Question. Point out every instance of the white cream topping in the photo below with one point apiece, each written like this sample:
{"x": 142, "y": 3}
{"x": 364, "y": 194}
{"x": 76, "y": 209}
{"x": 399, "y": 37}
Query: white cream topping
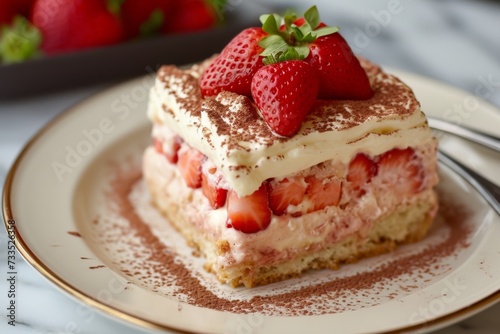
{"x": 246, "y": 164}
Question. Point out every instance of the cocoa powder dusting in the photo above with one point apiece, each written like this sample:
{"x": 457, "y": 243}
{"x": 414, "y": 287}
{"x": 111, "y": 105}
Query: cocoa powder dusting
{"x": 75, "y": 234}
{"x": 229, "y": 112}
{"x": 121, "y": 188}
{"x": 366, "y": 284}
{"x": 424, "y": 261}
{"x": 97, "y": 267}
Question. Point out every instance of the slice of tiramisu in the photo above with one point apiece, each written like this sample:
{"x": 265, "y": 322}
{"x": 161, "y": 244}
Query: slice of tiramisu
{"x": 286, "y": 153}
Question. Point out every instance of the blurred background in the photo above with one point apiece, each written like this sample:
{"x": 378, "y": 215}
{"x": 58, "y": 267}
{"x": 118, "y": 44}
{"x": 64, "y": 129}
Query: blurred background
{"x": 79, "y": 44}
{"x": 52, "y": 56}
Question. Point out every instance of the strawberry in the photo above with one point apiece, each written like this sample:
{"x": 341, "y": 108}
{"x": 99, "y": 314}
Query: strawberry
{"x": 323, "y": 193}
{"x": 74, "y": 25}
{"x": 248, "y": 214}
{"x": 285, "y": 92}
{"x": 210, "y": 187}
{"x": 19, "y": 41}
{"x": 169, "y": 147}
{"x": 191, "y": 15}
{"x": 303, "y": 59}
{"x": 189, "y": 164}
{"x": 289, "y": 191}
{"x": 146, "y": 17}
{"x": 234, "y": 68}
{"x": 361, "y": 171}
{"x": 341, "y": 75}
{"x": 10, "y": 8}
{"x": 158, "y": 145}
{"x": 401, "y": 170}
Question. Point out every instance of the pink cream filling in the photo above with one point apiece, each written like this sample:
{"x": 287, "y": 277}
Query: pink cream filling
{"x": 298, "y": 229}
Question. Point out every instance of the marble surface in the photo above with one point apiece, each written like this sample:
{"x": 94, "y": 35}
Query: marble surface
{"x": 453, "y": 41}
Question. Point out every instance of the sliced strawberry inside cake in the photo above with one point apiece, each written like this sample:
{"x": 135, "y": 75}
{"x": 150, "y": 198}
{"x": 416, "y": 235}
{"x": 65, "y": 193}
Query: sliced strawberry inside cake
{"x": 286, "y": 153}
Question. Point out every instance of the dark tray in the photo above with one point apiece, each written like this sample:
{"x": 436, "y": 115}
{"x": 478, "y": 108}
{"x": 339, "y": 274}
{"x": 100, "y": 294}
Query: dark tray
{"x": 125, "y": 60}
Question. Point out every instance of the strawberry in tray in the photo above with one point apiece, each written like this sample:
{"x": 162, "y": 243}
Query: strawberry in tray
{"x": 148, "y": 17}
{"x": 75, "y": 25}
{"x": 33, "y": 28}
{"x": 286, "y": 153}
{"x": 9, "y": 9}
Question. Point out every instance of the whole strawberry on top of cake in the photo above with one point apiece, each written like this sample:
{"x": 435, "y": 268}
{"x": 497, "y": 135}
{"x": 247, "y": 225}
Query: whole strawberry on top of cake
{"x": 286, "y": 153}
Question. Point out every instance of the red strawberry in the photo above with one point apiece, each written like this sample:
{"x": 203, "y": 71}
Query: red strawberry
{"x": 11, "y": 8}
{"x": 401, "y": 170}
{"x": 285, "y": 92}
{"x": 323, "y": 193}
{"x": 234, "y": 68}
{"x": 341, "y": 75}
{"x": 189, "y": 164}
{"x": 169, "y": 147}
{"x": 146, "y": 17}
{"x": 284, "y": 193}
{"x": 216, "y": 195}
{"x": 191, "y": 15}
{"x": 361, "y": 171}
{"x": 6, "y": 16}
{"x": 248, "y": 214}
{"x": 158, "y": 145}
{"x": 74, "y": 25}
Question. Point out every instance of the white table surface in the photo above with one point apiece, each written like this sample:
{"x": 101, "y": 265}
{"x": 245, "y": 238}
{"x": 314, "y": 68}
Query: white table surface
{"x": 457, "y": 42}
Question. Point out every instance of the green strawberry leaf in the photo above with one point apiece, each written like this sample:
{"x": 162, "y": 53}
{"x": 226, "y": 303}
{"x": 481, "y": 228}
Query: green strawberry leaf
{"x": 303, "y": 51}
{"x": 290, "y": 54}
{"x": 271, "y": 59}
{"x": 312, "y": 17}
{"x": 263, "y": 18}
{"x": 297, "y": 33}
{"x": 305, "y": 28}
{"x": 269, "y": 25}
{"x": 218, "y": 5}
{"x": 309, "y": 38}
{"x": 153, "y": 24}
{"x": 293, "y": 41}
{"x": 325, "y": 31}
{"x": 114, "y": 6}
{"x": 273, "y": 44}
{"x": 20, "y": 41}
{"x": 219, "y": 8}
{"x": 289, "y": 18}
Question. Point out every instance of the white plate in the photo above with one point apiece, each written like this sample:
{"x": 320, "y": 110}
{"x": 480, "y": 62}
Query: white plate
{"x": 56, "y": 191}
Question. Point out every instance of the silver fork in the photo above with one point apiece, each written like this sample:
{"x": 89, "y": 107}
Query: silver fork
{"x": 465, "y": 132}
{"x": 489, "y": 190}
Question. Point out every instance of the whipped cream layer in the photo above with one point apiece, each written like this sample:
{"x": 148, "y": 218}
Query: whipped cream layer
{"x": 229, "y": 130}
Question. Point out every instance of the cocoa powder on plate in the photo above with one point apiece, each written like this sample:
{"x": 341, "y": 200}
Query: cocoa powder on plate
{"x": 301, "y": 301}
